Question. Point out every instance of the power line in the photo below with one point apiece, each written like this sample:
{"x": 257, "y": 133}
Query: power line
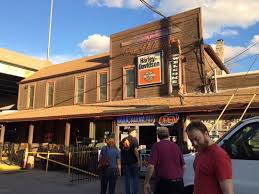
{"x": 241, "y": 52}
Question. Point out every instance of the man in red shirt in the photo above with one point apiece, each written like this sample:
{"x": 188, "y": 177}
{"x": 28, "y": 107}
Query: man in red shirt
{"x": 212, "y": 165}
{"x": 167, "y": 160}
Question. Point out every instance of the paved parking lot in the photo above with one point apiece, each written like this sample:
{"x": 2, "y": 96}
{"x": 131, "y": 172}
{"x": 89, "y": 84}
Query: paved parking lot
{"x": 40, "y": 182}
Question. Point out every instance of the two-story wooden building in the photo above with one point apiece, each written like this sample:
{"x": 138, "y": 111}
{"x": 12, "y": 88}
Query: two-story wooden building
{"x": 157, "y": 74}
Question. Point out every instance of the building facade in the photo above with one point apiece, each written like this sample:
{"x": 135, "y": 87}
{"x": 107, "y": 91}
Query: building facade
{"x": 158, "y": 74}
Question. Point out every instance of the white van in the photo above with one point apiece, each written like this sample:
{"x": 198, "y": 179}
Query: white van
{"x": 241, "y": 142}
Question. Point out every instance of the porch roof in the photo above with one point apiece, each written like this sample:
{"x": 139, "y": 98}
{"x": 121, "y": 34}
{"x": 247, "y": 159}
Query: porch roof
{"x": 191, "y": 103}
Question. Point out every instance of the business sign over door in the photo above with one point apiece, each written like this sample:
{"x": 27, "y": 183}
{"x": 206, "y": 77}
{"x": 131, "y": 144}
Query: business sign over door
{"x": 149, "y": 69}
{"x": 145, "y": 119}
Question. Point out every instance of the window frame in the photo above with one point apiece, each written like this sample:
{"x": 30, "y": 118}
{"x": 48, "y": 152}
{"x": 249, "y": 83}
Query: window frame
{"x": 29, "y": 96}
{"x": 125, "y": 69}
{"x": 76, "y": 89}
{"x": 47, "y": 94}
{"x": 99, "y": 86}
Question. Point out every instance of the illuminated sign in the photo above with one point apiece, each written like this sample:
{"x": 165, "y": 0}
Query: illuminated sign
{"x": 168, "y": 119}
{"x": 136, "y": 119}
{"x": 149, "y": 69}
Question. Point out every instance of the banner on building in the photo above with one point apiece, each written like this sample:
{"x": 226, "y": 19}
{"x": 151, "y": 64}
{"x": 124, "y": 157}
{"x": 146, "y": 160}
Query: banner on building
{"x": 175, "y": 70}
{"x": 149, "y": 69}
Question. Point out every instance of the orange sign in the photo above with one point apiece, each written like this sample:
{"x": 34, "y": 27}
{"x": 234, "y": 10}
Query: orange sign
{"x": 149, "y": 69}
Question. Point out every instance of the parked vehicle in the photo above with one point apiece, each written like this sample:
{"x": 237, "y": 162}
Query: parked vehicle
{"x": 241, "y": 142}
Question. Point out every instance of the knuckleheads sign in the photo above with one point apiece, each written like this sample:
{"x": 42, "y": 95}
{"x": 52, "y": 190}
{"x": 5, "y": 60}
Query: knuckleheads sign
{"x": 149, "y": 69}
{"x": 168, "y": 119}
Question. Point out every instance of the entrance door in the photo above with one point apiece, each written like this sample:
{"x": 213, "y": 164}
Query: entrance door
{"x": 147, "y": 136}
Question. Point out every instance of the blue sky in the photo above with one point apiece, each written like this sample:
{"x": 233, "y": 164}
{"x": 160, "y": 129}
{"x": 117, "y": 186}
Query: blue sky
{"x": 83, "y": 27}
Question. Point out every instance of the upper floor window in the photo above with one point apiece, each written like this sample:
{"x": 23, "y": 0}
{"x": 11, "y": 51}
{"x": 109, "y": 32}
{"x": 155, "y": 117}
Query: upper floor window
{"x": 31, "y": 94}
{"x": 129, "y": 83}
{"x": 103, "y": 86}
{"x": 80, "y": 90}
{"x": 50, "y": 94}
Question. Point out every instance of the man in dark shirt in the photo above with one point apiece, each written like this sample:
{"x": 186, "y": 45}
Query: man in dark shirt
{"x": 130, "y": 161}
{"x": 167, "y": 160}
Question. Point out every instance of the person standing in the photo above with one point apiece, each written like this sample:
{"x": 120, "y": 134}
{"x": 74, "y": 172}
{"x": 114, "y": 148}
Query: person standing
{"x": 130, "y": 161}
{"x": 110, "y": 174}
{"x": 167, "y": 161}
{"x": 212, "y": 165}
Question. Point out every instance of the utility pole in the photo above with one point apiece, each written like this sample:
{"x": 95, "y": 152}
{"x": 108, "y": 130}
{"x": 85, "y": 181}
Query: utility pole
{"x": 50, "y": 26}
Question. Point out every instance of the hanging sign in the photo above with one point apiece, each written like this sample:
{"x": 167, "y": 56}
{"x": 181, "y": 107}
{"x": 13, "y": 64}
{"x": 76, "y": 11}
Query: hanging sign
{"x": 175, "y": 66}
{"x": 168, "y": 119}
{"x": 149, "y": 69}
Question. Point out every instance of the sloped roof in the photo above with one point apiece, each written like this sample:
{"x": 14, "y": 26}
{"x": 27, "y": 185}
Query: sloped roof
{"x": 215, "y": 58}
{"x": 21, "y": 60}
{"x": 191, "y": 103}
{"x": 67, "y": 67}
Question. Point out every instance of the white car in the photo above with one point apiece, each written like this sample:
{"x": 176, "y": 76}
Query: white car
{"x": 241, "y": 142}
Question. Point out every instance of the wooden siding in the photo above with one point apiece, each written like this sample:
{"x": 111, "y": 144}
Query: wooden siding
{"x": 210, "y": 65}
{"x": 22, "y": 97}
{"x": 64, "y": 90}
{"x": 189, "y": 32}
{"x": 238, "y": 81}
{"x": 40, "y": 94}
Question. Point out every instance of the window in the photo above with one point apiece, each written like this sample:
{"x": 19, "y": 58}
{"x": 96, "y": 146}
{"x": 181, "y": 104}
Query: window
{"x": 50, "y": 94}
{"x": 244, "y": 144}
{"x": 80, "y": 90}
{"x": 129, "y": 83}
{"x": 103, "y": 86}
{"x": 30, "y": 102}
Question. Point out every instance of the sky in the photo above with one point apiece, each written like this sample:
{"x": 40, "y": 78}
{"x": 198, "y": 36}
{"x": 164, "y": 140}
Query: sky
{"x": 83, "y": 27}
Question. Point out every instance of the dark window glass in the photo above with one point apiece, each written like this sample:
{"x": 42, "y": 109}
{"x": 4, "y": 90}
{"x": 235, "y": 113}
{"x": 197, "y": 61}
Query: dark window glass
{"x": 103, "y": 86}
{"x": 244, "y": 144}
{"x": 80, "y": 90}
{"x": 50, "y": 94}
{"x": 130, "y": 83}
{"x": 31, "y": 97}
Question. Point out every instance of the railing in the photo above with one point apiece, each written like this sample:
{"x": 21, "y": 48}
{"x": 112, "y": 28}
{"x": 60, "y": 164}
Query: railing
{"x": 81, "y": 162}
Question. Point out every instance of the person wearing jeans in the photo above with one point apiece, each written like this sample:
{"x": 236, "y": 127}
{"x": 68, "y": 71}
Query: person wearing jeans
{"x": 110, "y": 174}
{"x": 130, "y": 161}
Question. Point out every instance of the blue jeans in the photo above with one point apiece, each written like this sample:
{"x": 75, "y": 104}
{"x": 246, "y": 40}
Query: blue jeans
{"x": 131, "y": 173}
{"x": 109, "y": 177}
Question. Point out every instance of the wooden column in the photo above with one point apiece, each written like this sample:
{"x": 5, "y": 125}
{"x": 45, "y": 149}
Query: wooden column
{"x": 117, "y": 135}
{"x": 2, "y": 140}
{"x": 30, "y": 136}
{"x": 2, "y": 134}
{"x": 92, "y": 130}
{"x": 67, "y": 134}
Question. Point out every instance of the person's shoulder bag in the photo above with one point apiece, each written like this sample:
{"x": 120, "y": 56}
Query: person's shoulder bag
{"x": 104, "y": 161}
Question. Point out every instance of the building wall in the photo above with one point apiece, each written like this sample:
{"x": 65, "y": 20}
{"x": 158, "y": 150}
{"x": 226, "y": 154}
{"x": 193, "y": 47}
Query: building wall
{"x": 188, "y": 31}
{"x": 64, "y": 90}
{"x": 233, "y": 81}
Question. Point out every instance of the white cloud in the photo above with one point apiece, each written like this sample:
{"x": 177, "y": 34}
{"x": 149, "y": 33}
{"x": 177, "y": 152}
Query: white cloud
{"x": 217, "y": 15}
{"x": 133, "y": 4}
{"x": 95, "y": 43}
{"x": 229, "y": 33}
{"x": 231, "y": 51}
